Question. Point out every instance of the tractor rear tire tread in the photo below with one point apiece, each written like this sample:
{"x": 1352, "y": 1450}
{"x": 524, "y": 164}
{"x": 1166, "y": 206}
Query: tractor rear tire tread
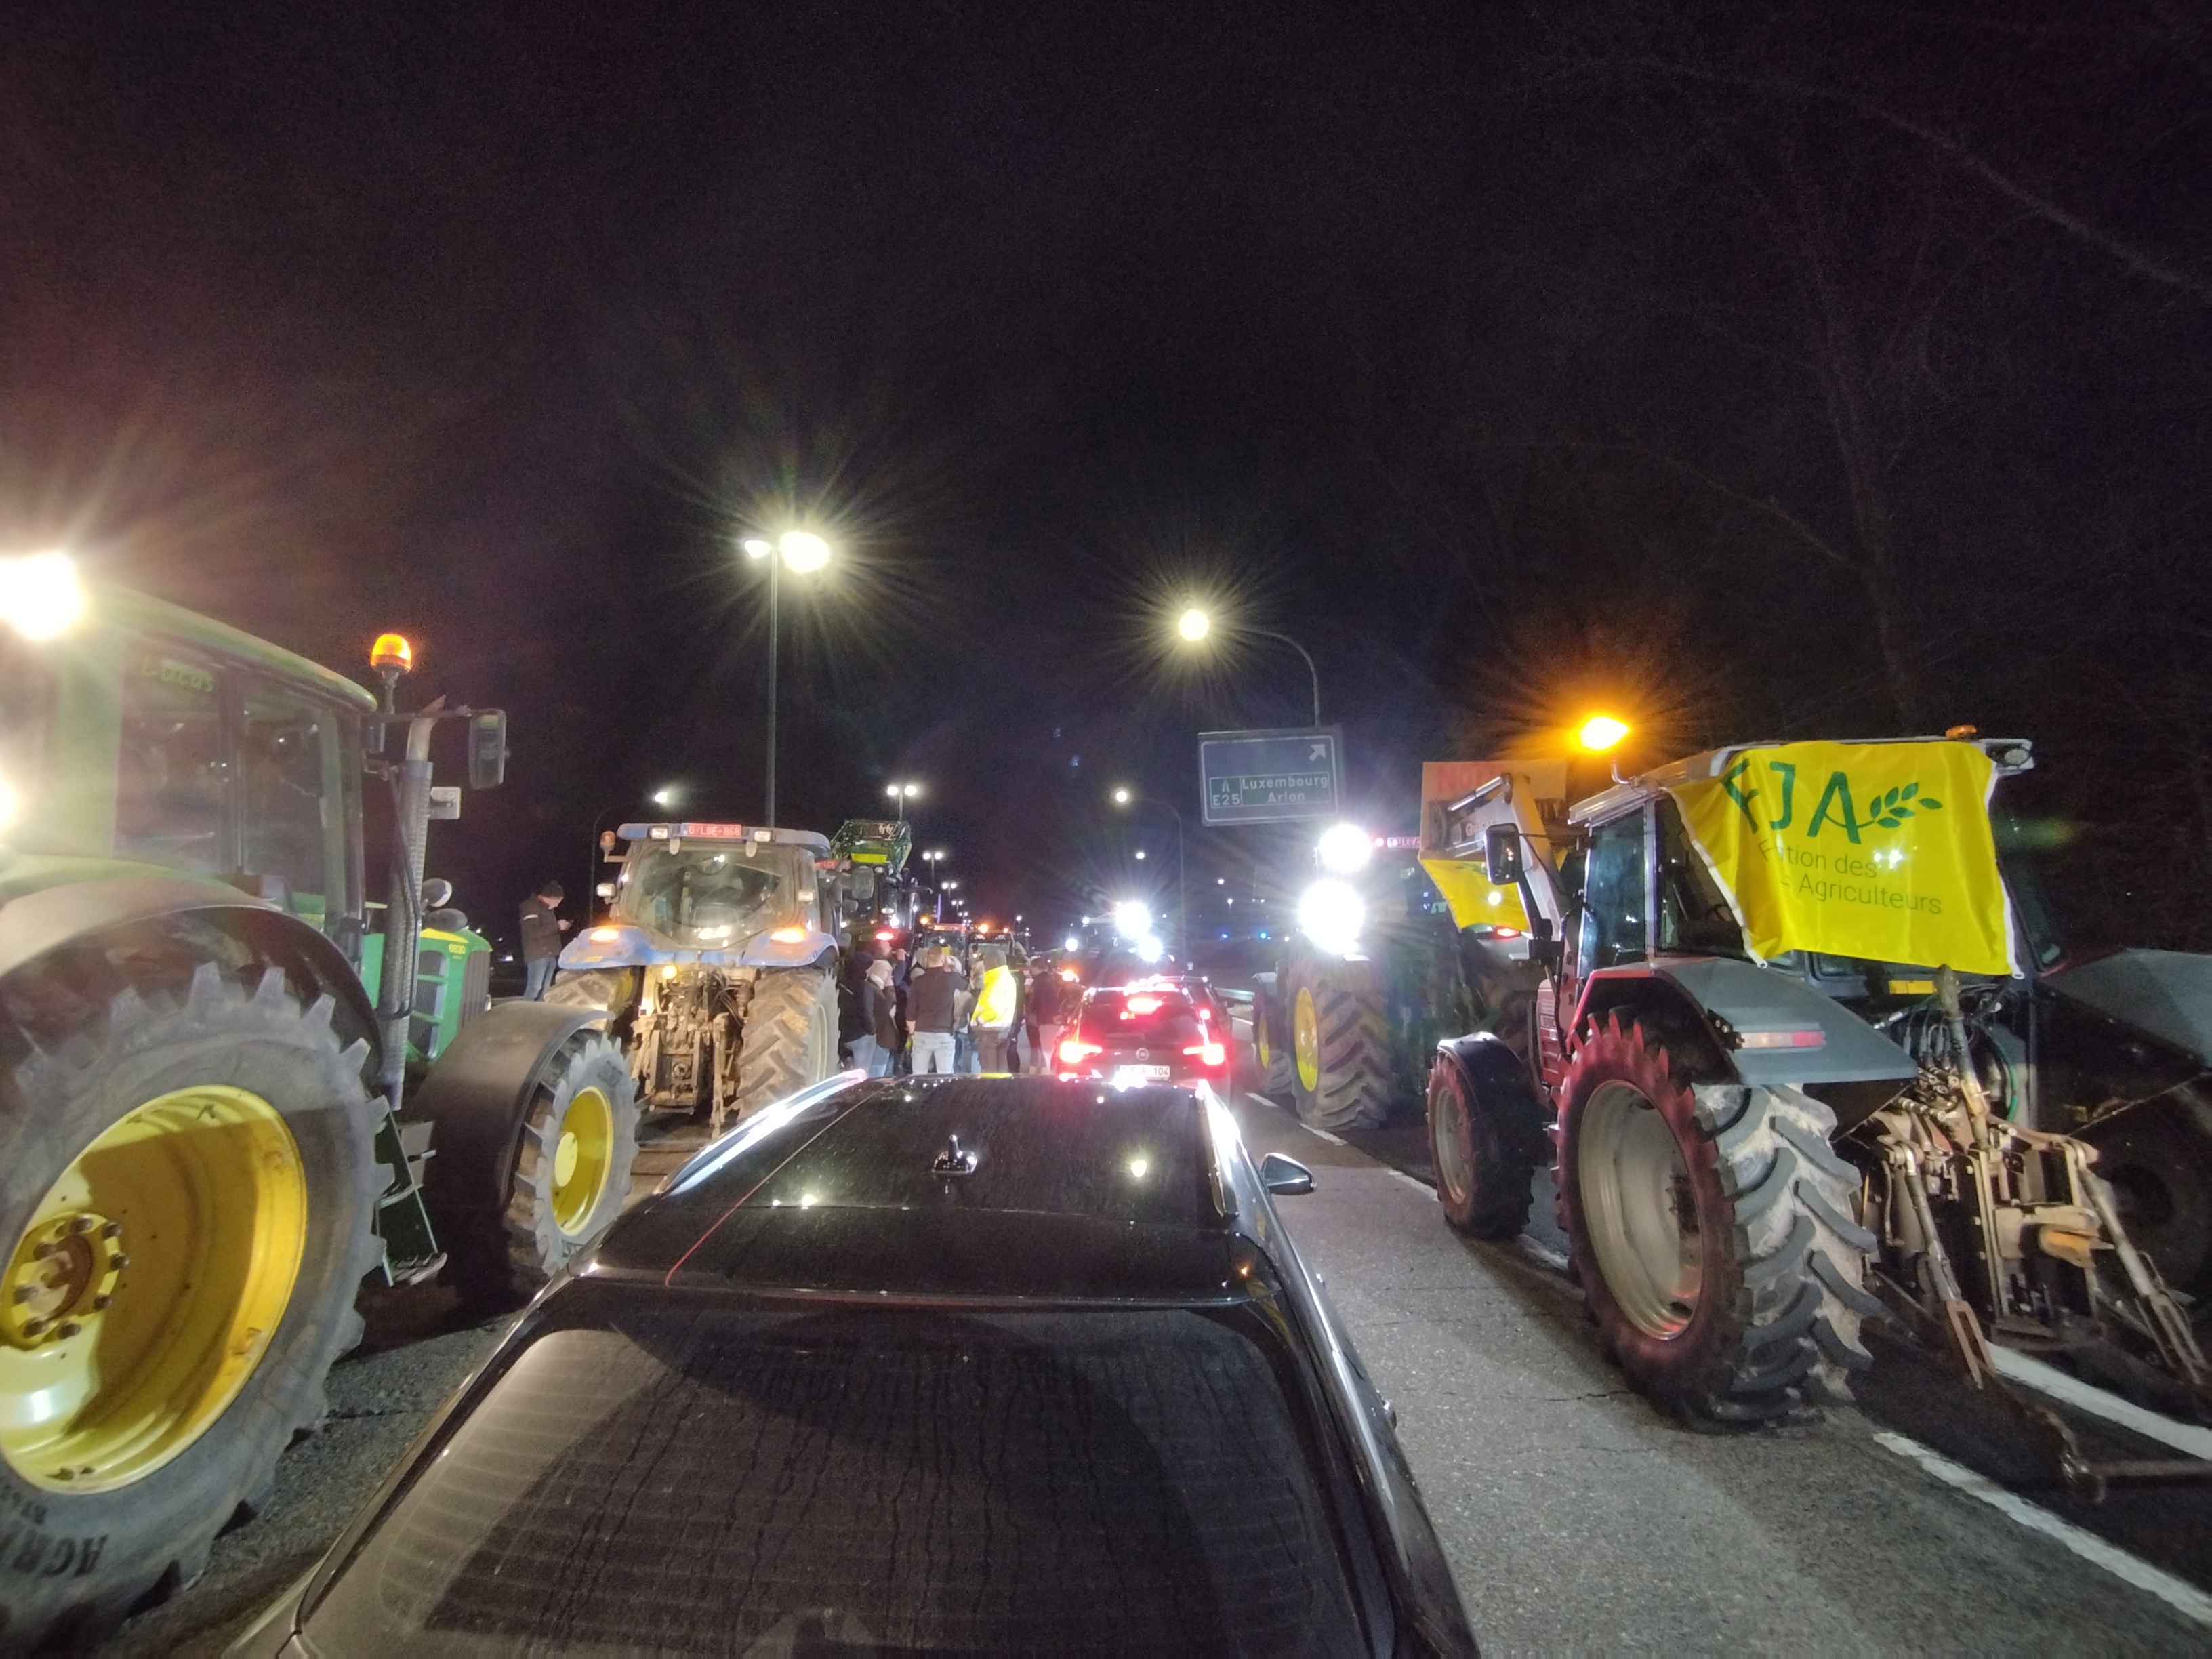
{"x": 536, "y": 1248}
{"x": 1776, "y": 1328}
{"x": 94, "y": 1557}
{"x": 783, "y": 1046}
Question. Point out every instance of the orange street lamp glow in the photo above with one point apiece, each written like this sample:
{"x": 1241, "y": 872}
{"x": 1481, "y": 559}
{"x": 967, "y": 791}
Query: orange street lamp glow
{"x": 1600, "y": 731}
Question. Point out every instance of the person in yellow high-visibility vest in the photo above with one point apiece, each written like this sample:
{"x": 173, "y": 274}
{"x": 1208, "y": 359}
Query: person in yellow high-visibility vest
{"x": 997, "y": 1000}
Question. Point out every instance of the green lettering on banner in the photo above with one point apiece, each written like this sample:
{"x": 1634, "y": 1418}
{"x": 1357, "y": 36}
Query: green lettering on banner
{"x": 1787, "y": 770}
{"x": 1744, "y": 801}
{"x": 1838, "y": 785}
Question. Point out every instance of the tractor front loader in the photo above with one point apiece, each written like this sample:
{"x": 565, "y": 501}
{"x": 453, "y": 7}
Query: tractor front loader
{"x": 206, "y": 1133}
{"x": 1769, "y": 1119}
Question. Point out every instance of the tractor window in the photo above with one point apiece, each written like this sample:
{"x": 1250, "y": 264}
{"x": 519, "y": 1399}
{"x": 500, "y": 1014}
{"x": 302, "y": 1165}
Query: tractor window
{"x": 1693, "y": 917}
{"x": 1612, "y": 896}
{"x": 170, "y": 775}
{"x": 292, "y": 829}
{"x": 713, "y": 895}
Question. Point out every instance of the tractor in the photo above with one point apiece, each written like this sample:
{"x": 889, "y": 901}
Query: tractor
{"x": 209, "y": 1130}
{"x": 1799, "y": 1064}
{"x": 717, "y": 964}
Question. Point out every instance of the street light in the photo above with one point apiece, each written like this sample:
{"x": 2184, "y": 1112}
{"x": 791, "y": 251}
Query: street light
{"x": 805, "y": 552}
{"x": 1124, "y": 797}
{"x": 1600, "y": 732}
{"x": 902, "y": 793}
{"x": 1195, "y": 625}
{"x": 664, "y": 797}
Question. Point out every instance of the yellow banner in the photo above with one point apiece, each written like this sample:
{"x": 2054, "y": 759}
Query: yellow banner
{"x": 1465, "y": 886}
{"x": 1876, "y": 850}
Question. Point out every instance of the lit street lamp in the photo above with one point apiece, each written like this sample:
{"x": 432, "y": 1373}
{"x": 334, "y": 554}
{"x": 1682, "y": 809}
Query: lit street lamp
{"x": 667, "y": 796}
{"x": 1195, "y": 625}
{"x": 1123, "y": 797}
{"x": 902, "y": 793}
{"x": 805, "y": 552}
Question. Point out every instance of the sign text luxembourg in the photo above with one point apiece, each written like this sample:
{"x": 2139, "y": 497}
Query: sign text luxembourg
{"x": 1262, "y": 777}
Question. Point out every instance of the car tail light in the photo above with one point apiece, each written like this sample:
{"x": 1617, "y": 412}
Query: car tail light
{"x": 789, "y": 935}
{"x": 1505, "y": 932}
{"x": 1800, "y": 1038}
{"x": 1144, "y": 1005}
{"x": 1209, "y": 1054}
{"x": 1073, "y": 1051}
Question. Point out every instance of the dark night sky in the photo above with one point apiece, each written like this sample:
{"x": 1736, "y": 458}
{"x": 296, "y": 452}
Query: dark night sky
{"x": 1441, "y": 338}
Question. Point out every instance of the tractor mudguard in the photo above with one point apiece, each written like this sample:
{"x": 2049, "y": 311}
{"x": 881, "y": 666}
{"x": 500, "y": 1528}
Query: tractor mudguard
{"x": 1733, "y": 999}
{"x": 480, "y": 1090}
{"x": 38, "y": 924}
{"x": 1498, "y": 1079}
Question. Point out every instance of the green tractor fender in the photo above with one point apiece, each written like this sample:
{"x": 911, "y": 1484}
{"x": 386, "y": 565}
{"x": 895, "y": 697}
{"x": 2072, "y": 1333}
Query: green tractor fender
{"x": 39, "y": 923}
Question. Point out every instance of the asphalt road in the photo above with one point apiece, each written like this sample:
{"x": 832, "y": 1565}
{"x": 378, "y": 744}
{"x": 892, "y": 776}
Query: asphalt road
{"x": 1576, "y": 1517}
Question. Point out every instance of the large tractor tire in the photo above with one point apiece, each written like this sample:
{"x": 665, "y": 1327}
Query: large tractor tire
{"x": 2158, "y": 1164}
{"x": 187, "y": 1190}
{"x": 1712, "y": 1229}
{"x": 790, "y": 1037}
{"x": 1340, "y": 1019}
{"x": 568, "y": 1175}
{"x": 1271, "y": 1040}
{"x": 614, "y": 989}
{"x": 1486, "y": 1138}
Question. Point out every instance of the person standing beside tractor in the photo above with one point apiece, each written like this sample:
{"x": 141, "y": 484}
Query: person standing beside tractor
{"x": 880, "y": 1005}
{"x": 542, "y": 927}
{"x": 1048, "y": 1010}
{"x": 933, "y": 990}
{"x": 996, "y": 997}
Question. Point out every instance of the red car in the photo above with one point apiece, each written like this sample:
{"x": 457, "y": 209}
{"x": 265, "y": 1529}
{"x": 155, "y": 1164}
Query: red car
{"x": 1160, "y": 1030}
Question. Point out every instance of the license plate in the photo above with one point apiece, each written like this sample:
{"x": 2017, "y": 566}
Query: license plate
{"x": 1139, "y": 1073}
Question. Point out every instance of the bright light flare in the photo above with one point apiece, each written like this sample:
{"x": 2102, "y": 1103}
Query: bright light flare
{"x": 1193, "y": 625}
{"x": 1345, "y": 848}
{"x": 755, "y": 547}
{"x": 1331, "y": 914}
{"x": 1600, "y": 732}
{"x": 804, "y": 550}
{"x": 1133, "y": 918}
{"x": 41, "y": 597}
{"x": 1150, "y": 950}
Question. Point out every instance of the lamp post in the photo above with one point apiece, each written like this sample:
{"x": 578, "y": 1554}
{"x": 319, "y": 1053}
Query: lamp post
{"x": 902, "y": 793}
{"x": 1195, "y": 624}
{"x": 937, "y": 894}
{"x": 1123, "y": 797}
{"x": 803, "y": 551}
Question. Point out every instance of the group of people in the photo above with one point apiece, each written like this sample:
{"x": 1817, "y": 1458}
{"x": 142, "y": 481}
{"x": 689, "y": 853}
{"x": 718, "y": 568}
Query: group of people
{"x": 935, "y": 1013}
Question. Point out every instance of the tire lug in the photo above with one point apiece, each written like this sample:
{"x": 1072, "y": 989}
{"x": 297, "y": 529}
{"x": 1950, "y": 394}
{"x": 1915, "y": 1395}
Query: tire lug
{"x": 25, "y": 1293}
{"x": 34, "y": 1327}
{"x": 69, "y": 1327}
{"x": 81, "y": 1224}
{"x": 119, "y": 1261}
{"x": 101, "y": 1301}
{"x": 43, "y": 1251}
{"x": 112, "y": 1230}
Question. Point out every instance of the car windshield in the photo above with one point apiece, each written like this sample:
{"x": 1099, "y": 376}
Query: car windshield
{"x": 879, "y": 1479}
{"x": 713, "y": 895}
{"x": 1140, "y": 1014}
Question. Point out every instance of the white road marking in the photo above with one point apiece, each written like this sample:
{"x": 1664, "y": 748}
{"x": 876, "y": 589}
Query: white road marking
{"x": 1416, "y": 1184}
{"x": 2063, "y": 1386}
{"x": 1332, "y": 1140}
{"x": 2183, "y": 1597}
{"x": 1555, "y": 1260}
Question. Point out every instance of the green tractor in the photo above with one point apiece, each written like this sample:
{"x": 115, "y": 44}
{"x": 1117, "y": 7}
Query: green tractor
{"x": 208, "y": 1136}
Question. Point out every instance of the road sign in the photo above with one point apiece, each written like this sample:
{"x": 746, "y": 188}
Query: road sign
{"x": 1271, "y": 777}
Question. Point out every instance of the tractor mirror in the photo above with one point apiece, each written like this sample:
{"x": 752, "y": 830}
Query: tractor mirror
{"x": 487, "y": 749}
{"x": 1501, "y": 854}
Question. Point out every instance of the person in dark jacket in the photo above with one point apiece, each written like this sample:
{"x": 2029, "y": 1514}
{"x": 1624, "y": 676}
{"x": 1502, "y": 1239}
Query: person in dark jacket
{"x": 542, "y": 927}
{"x": 933, "y": 1009}
{"x": 881, "y": 1003}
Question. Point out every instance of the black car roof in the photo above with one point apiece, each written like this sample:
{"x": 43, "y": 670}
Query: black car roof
{"x": 1073, "y": 1189}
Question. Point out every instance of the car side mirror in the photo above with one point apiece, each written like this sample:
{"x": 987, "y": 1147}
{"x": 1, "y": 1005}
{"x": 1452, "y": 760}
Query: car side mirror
{"x": 488, "y": 749}
{"x": 1501, "y": 854}
{"x": 1284, "y": 1176}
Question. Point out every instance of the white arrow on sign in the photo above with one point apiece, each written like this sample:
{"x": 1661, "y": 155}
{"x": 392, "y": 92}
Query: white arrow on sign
{"x": 1320, "y": 751}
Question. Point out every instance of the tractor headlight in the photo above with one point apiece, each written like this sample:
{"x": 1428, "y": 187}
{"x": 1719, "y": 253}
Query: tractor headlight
{"x": 1331, "y": 914}
{"x": 41, "y": 597}
{"x": 1345, "y": 849}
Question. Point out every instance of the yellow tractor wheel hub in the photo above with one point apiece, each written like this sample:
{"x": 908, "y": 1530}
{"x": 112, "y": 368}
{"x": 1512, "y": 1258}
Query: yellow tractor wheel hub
{"x": 1305, "y": 1039}
{"x": 583, "y": 1156}
{"x": 148, "y": 1284}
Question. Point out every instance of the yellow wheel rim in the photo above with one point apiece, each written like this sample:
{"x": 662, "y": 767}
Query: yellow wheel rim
{"x": 1305, "y": 1040}
{"x": 1259, "y": 1037}
{"x": 581, "y": 1158}
{"x": 149, "y": 1283}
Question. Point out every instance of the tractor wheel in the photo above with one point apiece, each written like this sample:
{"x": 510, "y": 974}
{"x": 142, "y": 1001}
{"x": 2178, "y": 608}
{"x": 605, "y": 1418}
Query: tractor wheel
{"x": 1270, "y": 1041}
{"x": 1712, "y": 1228}
{"x": 187, "y": 1192}
{"x": 570, "y": 1178}
{"x": 1484, "y": 1146}
{"x": 611, "y": 988}
{"x": 790, "y": 1037}
{"x": 2160, "y": 1168}
{"x": 1340, "y": 1045}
